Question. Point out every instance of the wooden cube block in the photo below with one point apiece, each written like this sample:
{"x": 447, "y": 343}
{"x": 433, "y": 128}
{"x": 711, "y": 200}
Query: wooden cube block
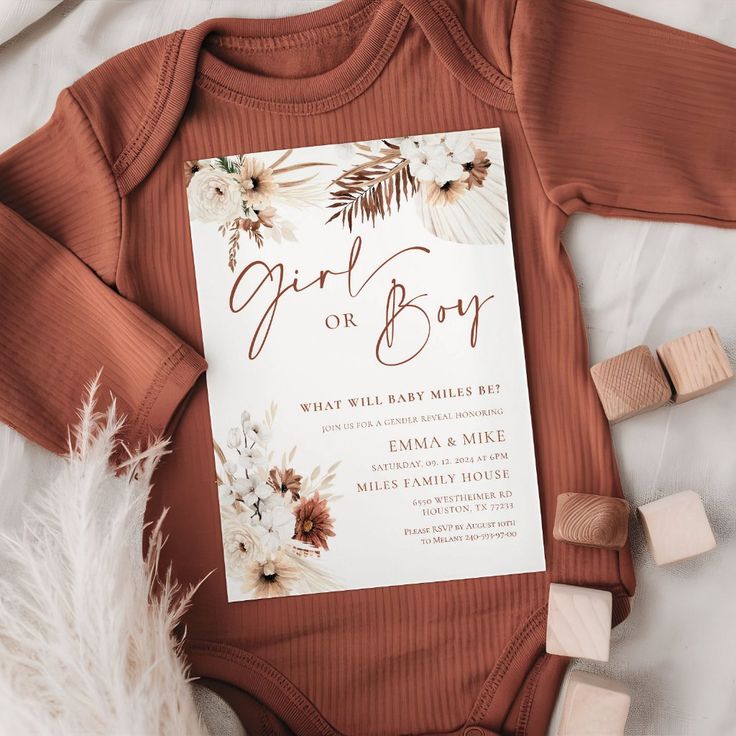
{"x": 579, "y": 622}
{"x": 696, "y": 364}
{"x": 594, "y": 706}
{"x": 677, "y": 527}
{"x": 591, "y": 521}
{"x": 631, "y": 383}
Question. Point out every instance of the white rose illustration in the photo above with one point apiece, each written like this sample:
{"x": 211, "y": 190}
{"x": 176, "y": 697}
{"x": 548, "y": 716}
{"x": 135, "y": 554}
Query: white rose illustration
{"x": 240, "y": 545}
{"x": 214, "y": 196}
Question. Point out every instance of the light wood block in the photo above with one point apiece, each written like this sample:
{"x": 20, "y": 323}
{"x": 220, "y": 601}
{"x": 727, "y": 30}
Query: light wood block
{"x": 594, "y": 706}
{"x": 696, "y": 364}
{"x": 676, "y": 527}
{"x": 579, "y": 622}
{"x": 631, "y": 383}
{"x": 591, "y": 521}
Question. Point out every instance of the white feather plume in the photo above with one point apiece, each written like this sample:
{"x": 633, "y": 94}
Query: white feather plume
{"x": 86, "y": 631}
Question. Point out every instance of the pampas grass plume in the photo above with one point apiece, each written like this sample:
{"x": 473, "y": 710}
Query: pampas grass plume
{"x": 86, "y": 625}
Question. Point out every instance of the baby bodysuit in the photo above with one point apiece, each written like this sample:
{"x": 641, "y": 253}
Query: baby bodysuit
{"x": 600, "y": 112}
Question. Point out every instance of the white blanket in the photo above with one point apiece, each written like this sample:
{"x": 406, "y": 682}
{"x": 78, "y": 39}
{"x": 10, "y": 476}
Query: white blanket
{"x": 640, "y": 283}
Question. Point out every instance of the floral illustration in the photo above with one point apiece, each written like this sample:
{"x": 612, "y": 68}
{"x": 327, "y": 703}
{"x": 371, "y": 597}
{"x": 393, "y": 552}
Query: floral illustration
{"x": 276, "y": 522}
{"x": 313, "y": 522}
{"x": 241, "y": 193}
{"x": 456, "y": 180}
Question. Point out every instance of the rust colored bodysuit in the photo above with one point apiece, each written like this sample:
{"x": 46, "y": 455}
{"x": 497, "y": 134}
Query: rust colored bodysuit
{"x": 600, "y": 112}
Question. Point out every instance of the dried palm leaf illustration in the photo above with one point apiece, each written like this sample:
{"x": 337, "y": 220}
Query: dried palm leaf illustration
{"x": 371, "y": 188}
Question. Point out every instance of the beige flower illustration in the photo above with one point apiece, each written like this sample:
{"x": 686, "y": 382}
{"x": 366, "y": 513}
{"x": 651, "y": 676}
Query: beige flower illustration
{"x": 271, "y": 578}
{"x": 258, "y": 183}
{"x": 477, "y": 169}
{"x": 257, "y": 218}
{"x": 440, "y": 195}
{"x": 285, "y": 481}
{"x": 265, "y": 216}
{"x": 190, "y": 169}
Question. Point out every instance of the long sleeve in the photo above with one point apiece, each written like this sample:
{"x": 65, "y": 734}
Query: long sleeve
{"x": 61, "y": 319}
{"x": 624, "y": 116}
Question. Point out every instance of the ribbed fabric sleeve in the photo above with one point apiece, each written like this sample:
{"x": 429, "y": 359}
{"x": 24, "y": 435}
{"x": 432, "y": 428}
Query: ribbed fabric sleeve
{"x": 62, "y": 321}
{"x": 625, "y": 116}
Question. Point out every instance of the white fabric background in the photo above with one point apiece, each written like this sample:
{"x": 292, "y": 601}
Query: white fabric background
{"x": 640, "y": 283}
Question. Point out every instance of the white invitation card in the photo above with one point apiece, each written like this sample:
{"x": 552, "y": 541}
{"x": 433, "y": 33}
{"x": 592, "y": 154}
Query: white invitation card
{"x": 366, "y": 381}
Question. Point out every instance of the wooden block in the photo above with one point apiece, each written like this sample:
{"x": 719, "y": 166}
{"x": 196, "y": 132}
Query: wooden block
{"x": 677, "y": 527}
{"x": 591, "y": 521}
{"x": 631, "y": 383}
{"x": 594, "y": 706}
{"x": 696, "y": 364}
{"x": 579, "y": 622}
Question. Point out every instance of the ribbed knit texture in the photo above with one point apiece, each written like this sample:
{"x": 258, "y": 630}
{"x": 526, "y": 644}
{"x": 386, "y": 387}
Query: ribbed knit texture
{"x": 599, "y": 111}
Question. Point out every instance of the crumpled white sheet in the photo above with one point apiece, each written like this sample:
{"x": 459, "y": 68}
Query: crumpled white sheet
{"x": 640, "y": 283}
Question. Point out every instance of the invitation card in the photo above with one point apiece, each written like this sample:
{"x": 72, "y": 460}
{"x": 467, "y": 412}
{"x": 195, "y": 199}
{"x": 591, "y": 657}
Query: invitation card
{"x": 366, "y": 381}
